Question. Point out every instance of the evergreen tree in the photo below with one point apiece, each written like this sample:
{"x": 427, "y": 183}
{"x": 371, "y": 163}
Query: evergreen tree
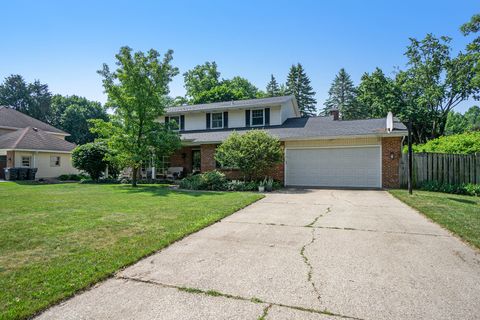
{"x": 298, "y": 84}
{"x": 273, "y": 89}
{"x": 342, "y": 96}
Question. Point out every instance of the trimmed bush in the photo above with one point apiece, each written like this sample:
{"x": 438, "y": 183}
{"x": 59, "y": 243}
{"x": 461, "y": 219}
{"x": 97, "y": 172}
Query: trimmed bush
{"x": 72, "y": 177}
{"x": 212, "y": 180}
{"x": 465, "y": 189}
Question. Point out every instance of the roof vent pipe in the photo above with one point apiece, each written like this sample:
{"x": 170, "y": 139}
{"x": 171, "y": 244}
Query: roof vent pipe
{"x": 335, "y": 114}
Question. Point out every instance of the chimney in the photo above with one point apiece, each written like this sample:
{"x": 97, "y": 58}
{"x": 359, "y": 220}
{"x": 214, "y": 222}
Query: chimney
{"x": 335, "y": 113}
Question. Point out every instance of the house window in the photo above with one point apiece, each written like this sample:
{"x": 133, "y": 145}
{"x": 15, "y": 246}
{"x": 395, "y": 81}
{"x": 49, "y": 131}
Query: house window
{"x": 258, "y": 117}
{"x": 217, "y": 120}
{"x": 26, "y": 161}
{"x": 175, "y": 119}
{"x": 163, "y": 164}
{"x": 54, "y": 161}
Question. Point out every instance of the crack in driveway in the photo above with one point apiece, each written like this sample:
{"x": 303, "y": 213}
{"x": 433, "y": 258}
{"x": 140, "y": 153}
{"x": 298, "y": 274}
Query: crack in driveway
{"x": 305, "y": 257}
{"x": 214, "y": 293}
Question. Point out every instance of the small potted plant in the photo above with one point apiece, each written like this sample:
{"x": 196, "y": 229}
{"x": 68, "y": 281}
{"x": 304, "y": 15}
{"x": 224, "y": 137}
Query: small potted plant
{"x": 269, "y": 184}
{"x": 261, "y": 186}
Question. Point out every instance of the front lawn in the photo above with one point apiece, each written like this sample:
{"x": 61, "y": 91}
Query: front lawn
{"x": 58, "y": 239}
{"x": 459, "y": 214}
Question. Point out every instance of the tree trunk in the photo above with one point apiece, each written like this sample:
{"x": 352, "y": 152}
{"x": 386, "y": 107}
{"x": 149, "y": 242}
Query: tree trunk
{"x": 134, "y": 176}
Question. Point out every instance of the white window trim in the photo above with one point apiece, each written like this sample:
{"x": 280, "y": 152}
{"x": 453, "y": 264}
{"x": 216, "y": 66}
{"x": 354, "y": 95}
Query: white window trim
{"x": 179, "y": 125}
{"x": 29, "y": 161}
{"x": 251, "y": 118}
{"x": 211, "y": 120}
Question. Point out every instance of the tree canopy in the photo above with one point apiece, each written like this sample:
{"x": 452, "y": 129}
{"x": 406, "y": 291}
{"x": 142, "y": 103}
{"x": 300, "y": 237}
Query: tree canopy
{"x": 273, "y": 88}
{"x": 464, "y": 143}
{"x": 137, "y": 93}
{"x": 73, "y": 114}
{"x": 203, "y": 85}
{"x": 32, "y": 99}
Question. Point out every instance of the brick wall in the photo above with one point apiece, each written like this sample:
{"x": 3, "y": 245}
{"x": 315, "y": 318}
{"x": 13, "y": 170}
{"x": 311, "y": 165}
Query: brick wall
{"x": 207, "y": 152}
{"x": 391, "y": 167}
{"x": 182, "y": 158}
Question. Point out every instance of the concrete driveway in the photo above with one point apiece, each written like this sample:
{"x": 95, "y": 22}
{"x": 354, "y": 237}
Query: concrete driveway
{"x": 305, "y": 254}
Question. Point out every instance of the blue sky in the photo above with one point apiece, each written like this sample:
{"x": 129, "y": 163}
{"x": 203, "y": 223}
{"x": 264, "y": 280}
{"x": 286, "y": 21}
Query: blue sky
{"x": 63, "y": 43}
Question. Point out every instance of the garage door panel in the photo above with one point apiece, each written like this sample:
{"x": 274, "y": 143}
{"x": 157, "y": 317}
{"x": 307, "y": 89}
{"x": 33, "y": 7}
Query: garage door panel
{"x": 334, "y": 167}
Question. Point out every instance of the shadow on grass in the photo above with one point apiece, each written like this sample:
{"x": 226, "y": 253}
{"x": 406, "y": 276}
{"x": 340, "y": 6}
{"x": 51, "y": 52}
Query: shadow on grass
{"x": 463, "y": 201}
{"x": 165, "y": 191}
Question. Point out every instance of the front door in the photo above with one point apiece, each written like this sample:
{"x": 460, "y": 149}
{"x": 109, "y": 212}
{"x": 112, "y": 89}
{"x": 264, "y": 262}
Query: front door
{"x": 196, "y": 161}
{"x": 3, "y": 164}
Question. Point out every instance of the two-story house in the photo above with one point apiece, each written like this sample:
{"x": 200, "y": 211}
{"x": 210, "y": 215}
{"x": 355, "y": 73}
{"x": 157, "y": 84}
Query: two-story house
{"x": 318, "y": 151}
{"x": 26, "y": 142}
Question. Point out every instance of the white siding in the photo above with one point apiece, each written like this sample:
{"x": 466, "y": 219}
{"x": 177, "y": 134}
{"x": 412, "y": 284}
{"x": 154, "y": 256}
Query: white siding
{"x": 287, "y": 111}
{"x": 195, "y": 121}
{"x": 41, "y": 160}
{"x": 236, "y": 117}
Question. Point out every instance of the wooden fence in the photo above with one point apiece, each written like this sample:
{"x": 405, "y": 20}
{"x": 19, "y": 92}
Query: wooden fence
{"x": 442, "y": 167}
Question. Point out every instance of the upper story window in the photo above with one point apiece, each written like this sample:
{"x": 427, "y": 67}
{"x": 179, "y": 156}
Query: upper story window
{"x": 26, "y": 161}
{"x": 217, "y": 120}
{"x": 175, "y": 119}
{"x": 258, "y": 117}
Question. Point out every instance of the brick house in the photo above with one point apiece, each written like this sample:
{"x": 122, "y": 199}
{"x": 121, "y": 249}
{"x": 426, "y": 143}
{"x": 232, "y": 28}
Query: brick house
{"x": 318, "y": 151}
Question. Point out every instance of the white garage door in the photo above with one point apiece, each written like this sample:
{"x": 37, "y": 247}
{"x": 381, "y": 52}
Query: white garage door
{"x": 334, "y": 167}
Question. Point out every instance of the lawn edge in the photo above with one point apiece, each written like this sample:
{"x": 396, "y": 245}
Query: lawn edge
{"x": 113, "y": 274}
{"x": 450, "y": 232}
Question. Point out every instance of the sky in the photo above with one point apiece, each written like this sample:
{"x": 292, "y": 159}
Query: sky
{"x": 64, "y": 43}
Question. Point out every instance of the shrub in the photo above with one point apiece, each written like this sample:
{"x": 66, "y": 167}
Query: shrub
{"x": 72, "y": 177}
{"x": 211, "y": 180}
{"x": 465, "y": 143}
{"x": 466, "y": 188}
{"x": 90, "y": 158}
{"x": 254, "y": 153}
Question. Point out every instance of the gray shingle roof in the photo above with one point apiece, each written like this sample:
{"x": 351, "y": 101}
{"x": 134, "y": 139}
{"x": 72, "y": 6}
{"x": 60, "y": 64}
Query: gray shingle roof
{"x": 34, "y": 139}
{"x": 314, "y": 127}
{"x": 230, "y": 104}
{"x": 15, "y": 119}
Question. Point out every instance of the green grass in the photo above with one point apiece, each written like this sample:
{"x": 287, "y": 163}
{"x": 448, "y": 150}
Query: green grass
{"x": 58, "y": 239}
{"x": 459, "y": 214}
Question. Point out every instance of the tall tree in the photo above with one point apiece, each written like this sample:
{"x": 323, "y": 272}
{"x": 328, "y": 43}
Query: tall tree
{"x": 200, "y": 79}
{"x": 33, "y": 99}
{"x": 137, "y": 93}
{"x": 342, "y": 96}
{"x": 14, "y": 92}
{"x": 273, "y": 89}
{"x": 376, "y": 94}
{"x": 460, "y": 123}
{"x": 298, "y": 84}
{"x": 433, "y": 84}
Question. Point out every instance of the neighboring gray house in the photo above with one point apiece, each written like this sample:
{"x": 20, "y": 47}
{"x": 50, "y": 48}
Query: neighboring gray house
{"x": 28, "y": 142}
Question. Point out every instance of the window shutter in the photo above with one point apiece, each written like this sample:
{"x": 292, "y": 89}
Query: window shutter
{"x": 208, "y": 120}
{"x": 267, "y": 116}
{"x": 225, "y": 119}
{"x": 182, "y": 122}
{"x": 247, "y": 118}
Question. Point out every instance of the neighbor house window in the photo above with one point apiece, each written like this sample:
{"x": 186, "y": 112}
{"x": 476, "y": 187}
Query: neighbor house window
{"x": 54, "y": 161}
{"x": 175, "y": 119}
{"x": 26, "y": 161}
{"x": 217, "y": 120}
{"x": 258, "y": 117}
{"x": 163, "y": 164}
